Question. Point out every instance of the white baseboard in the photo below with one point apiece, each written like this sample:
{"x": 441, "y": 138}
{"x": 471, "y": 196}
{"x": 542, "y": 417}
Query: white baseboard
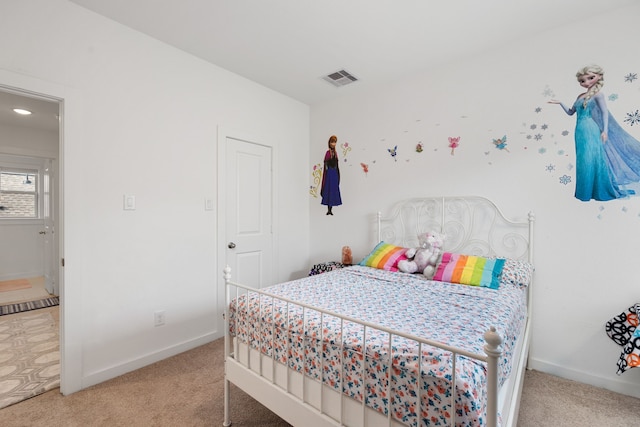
{"x": 613, "y": 384}
{"x": 116, "y": 371}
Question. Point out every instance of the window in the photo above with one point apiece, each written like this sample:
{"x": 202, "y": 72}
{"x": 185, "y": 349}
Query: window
{"x": 19, "y": 193}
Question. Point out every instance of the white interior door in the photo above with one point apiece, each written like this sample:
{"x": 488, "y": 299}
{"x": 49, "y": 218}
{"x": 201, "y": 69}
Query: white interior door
{"x": 248, "y": 212}
{"x": 49, "y": 229}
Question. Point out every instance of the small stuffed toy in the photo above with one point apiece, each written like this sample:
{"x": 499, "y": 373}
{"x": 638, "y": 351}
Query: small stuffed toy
{"x": 425, "y": 258}
{"x": 347, "y": 258}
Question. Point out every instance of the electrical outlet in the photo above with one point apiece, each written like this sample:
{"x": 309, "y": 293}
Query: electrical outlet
{"x": 158, "y": 318}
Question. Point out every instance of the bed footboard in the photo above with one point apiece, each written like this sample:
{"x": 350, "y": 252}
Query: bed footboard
{"x": 301, "y": 399}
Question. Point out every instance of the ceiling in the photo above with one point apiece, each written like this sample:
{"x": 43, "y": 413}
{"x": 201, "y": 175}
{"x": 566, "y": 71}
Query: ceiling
{"x": 290, "y": 45}
{"x": 45, "y": 113}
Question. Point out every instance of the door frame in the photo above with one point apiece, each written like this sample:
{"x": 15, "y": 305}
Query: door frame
{"x": 71, "y": 337}
{"x": 50, "y": 221}
{"x": 221, "y": 187}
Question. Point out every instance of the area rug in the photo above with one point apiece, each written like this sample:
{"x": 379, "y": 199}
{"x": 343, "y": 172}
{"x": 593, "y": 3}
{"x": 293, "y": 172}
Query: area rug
{"x": 14, "y": 285}
{"x": 29, "y": 357}
{"x": 28, "y": 306}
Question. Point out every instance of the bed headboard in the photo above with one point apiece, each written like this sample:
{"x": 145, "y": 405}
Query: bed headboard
{"x": 473, "y": 225}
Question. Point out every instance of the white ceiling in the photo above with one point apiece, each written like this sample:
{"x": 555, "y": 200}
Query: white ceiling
{"x": 45, "y": 112}
{"x": 289, "y": 45}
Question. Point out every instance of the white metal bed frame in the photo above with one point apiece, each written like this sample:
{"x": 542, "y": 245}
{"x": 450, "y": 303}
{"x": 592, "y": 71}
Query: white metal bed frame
{"x": 473, "y": 225}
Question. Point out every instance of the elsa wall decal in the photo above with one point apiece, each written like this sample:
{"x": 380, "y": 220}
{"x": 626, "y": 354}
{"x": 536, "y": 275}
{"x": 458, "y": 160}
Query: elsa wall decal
{"x": 607, "y": 157}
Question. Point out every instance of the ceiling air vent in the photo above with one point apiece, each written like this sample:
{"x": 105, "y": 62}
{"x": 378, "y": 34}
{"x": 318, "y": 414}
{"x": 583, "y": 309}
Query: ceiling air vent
{"x": 340, "y": 78}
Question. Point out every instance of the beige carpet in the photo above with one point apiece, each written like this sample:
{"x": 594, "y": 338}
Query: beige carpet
{"x": 186, "y": 390}
{"x": 29, "y": 356}
{"x": 551, "y": 401}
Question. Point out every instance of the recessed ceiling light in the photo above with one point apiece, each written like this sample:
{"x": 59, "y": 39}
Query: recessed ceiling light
{"x": 22, "y": 111}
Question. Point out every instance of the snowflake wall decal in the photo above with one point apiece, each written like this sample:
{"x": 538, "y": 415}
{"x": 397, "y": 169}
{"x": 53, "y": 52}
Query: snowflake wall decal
{"x": 550, "y": 168}
{"x": 633, "y": 118}
{"x": 630, "y": 77}
{"x": 565, "y": 179}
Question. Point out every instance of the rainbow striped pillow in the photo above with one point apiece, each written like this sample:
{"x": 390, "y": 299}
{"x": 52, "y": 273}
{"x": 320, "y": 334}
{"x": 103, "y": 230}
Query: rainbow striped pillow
{"x": 385, "y": 257}
{"x": 470, "y": 270}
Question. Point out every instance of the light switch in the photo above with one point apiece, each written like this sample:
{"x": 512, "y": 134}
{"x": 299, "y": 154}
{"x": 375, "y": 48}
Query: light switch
{"x": 129, "y": 203}
{"x": 208, "y": 204}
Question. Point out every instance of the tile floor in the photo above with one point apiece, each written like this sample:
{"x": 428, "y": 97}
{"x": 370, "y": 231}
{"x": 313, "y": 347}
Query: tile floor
{"x": 35, "y": 292}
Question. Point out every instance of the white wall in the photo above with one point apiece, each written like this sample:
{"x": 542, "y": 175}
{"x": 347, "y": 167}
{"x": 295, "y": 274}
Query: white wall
{"x": 585, "y": 252}
{"x": 141, "y": 118}
{"x": 23, "y": 141}
{"x": 21, "y": 253}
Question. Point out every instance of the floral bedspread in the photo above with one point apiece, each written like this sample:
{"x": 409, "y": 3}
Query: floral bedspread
{"x": 456, "y": 315}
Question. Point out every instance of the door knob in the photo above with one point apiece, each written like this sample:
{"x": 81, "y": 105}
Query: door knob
{"x": 42, "y": 232}
{"x": 231, "y": 245}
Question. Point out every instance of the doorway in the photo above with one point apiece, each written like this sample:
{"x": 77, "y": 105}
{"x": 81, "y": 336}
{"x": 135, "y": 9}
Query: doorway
{"x": 31, "y": 143}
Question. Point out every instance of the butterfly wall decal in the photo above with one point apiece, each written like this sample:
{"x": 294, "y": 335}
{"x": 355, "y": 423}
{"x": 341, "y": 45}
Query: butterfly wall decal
{"x": 394, "y": 152}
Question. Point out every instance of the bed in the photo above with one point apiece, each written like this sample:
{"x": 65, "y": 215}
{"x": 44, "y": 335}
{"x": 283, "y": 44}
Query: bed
{"x": 368, "y": 345}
